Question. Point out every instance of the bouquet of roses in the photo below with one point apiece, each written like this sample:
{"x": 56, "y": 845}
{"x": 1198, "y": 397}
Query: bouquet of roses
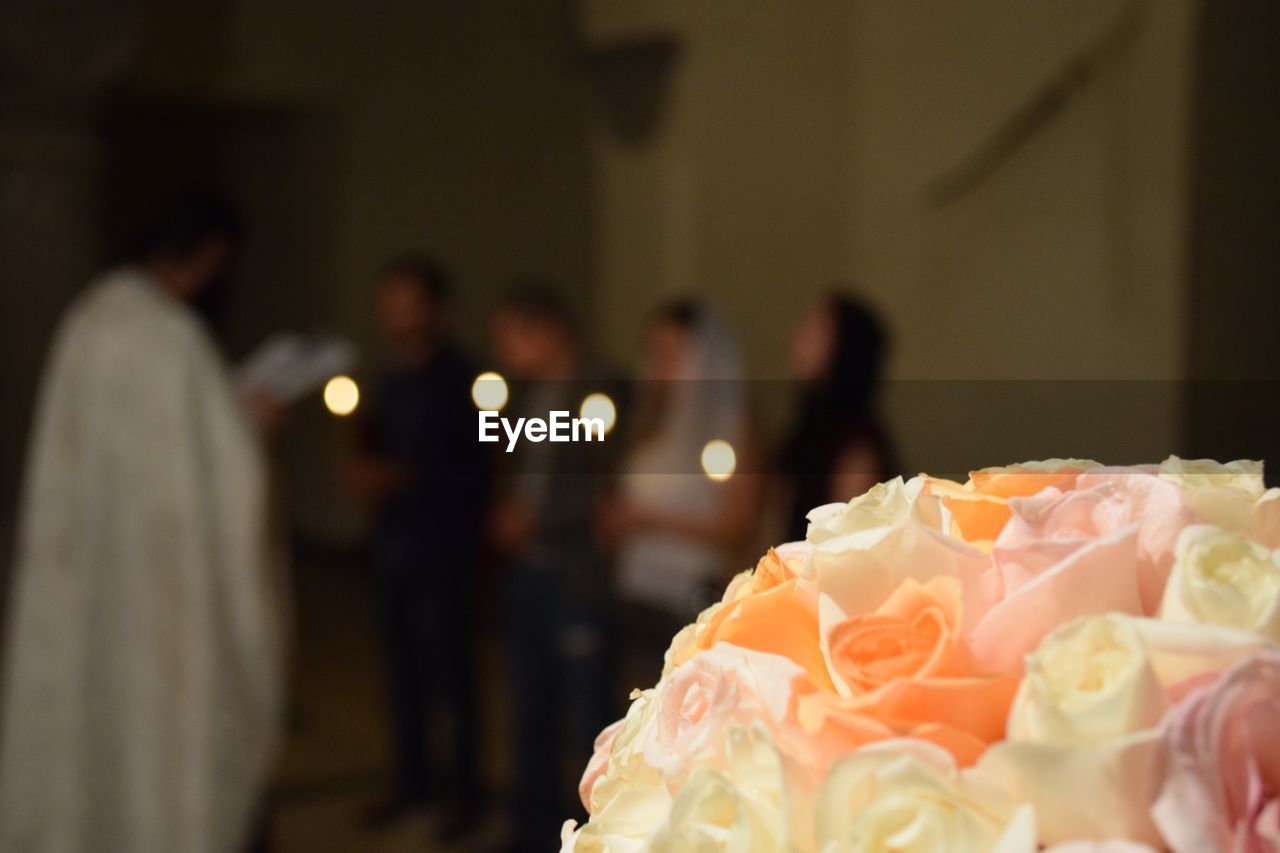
{"x": 1053, "y": 654}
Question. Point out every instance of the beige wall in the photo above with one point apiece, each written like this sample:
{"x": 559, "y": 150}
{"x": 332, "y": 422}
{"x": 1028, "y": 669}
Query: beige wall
{"x": 742, "y": 193}
{"x": 806, "y": 142}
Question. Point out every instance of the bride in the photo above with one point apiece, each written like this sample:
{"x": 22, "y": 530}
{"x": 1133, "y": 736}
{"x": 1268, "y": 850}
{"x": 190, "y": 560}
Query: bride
{"x": 679, "y": 532}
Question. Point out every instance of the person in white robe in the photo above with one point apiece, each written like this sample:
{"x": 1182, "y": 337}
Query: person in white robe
{"x": 143, "y": 678}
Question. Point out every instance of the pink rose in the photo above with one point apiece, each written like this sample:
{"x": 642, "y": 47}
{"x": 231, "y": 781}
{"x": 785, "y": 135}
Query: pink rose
{"x": 1104, "y": 501}
{"x": 1102, "y": 542}
{"x": 1062, "y": 581}
{"x": 705, "y": 695}
{"x": 1223, "y": 779}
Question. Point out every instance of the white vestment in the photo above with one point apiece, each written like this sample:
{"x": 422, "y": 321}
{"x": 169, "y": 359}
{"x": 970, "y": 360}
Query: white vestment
{"x": 143, "y": 682}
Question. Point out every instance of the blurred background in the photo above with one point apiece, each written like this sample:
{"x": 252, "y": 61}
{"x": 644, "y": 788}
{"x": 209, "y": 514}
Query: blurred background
{"x": 1066, "y": 214}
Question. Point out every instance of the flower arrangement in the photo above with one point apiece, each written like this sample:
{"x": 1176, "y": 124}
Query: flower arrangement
{"x": 1051, "y": 655}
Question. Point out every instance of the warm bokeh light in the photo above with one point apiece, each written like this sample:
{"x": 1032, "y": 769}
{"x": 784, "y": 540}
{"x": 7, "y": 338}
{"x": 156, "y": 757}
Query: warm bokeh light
{"x": 489, "y": 391}
{"x": 719, "y": 460}
{"x": 599, "y": 406}
{"x": 341, "y": 395}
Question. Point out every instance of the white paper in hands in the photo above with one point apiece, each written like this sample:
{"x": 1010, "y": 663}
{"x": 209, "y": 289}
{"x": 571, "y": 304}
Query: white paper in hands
{"x": 288, "y": 366}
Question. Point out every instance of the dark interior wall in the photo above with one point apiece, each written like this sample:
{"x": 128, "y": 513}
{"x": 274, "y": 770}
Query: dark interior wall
{"x": 348, "y": 132}
{"x": 1233, "y": 364}
{"x": 353, "y": 133}
{"x": 282, "y": 166}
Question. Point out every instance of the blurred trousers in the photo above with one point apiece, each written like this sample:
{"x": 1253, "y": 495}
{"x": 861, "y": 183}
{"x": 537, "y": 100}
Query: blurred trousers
{"x": 561, "y": 659}
{"x": 428, "y": 645}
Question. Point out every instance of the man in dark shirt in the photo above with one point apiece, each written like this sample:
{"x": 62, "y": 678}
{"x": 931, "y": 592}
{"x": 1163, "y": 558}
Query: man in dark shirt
{"x": 427, "y": 479}
{"x": 558, "y": 589}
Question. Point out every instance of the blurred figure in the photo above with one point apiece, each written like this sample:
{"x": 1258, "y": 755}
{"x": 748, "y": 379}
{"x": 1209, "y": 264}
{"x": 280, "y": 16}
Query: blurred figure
{"x": 144, "y": 658}
{"x": 559, "y": 627}
{"x": 427, "y": 480}
{"x": 678, "y": 531}
{"x": 836, "y": 448}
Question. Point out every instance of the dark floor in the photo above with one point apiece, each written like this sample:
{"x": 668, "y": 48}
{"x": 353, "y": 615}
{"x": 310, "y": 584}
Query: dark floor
{"x": 335, "y": 760}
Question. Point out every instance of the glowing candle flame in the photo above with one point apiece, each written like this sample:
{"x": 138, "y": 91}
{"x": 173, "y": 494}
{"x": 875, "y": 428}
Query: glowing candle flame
{"x": 489, "y": 391}
{"x": 341, "y": 395}
{"x": 599, "y": 405}
{"x": 719, "y": 460}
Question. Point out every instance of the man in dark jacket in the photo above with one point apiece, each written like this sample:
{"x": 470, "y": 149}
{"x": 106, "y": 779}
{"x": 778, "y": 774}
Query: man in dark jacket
{"x": 428, "y": 481}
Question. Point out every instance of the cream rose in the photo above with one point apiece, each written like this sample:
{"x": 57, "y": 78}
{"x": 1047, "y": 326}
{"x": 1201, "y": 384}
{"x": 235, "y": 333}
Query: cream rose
{"x": 684, "y": 643}
{"x": 742, "y": 806}
{"x": 1084, "y": 740}
{"x": 1082, "y": 745}
{"x": 1229, "y": 495}
{"x": 909, "y": 795}
{"x": 883, "y": 505}
{"x": 623, "y": 826}
{"x": 1220, "y": 578}
{"x": 625, "y": 767}
{"x": 1088, "y": 680}
{"x": 628, "y": 798}
{"x": 1242, "y": 475}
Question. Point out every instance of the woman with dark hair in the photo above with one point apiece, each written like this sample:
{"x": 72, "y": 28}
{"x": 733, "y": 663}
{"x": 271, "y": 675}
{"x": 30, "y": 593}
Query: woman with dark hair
{"x": 837, "y": 448}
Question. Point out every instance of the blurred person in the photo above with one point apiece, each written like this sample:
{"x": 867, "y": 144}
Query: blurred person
{"x": 559, "y": 622}
{"x": 427, "y": 480}
{"x": 678, "y": 532}
{"x": 837, "y": 448}
{"x": 144, "y": 657}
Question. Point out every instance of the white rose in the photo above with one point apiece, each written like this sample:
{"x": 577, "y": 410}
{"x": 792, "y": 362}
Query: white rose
{"x": 883, "y": 505}
{"x": 629, "y": 798}
{"x": 627, "y": 768}
{"x": 909, "y": 795}
{"x": 1224, "y": 579}
{"x": 1088, "y": 680}
{"x": 1243, "y": 475}
{"x": 1084, "y": 744}
{"x": 623, "y": 826}
{"x": 1224, "y": 495}
{"x": 741, "y": 807}
{"x": 1037, "y": 466}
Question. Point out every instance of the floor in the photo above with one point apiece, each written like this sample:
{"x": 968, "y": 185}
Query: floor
{"x": 335, "y": 759}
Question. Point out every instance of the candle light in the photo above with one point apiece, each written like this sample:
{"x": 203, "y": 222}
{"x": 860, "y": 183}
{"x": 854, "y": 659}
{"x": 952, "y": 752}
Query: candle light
{"x": 341, "y": 395}
{"x": 599, "y": 406}
{"x": 719, "y": 460}
{"x": 489, "y": 391}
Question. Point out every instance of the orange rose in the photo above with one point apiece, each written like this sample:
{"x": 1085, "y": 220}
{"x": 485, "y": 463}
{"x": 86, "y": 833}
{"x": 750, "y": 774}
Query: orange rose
{"x": 771, "y": 571}
{"x": 906, "y": 666}
{"x": 980, "y": 508}
{"x": 769, "y": 612}
{"x": 912, "y": 635}
{"x": 835, "y": 726}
